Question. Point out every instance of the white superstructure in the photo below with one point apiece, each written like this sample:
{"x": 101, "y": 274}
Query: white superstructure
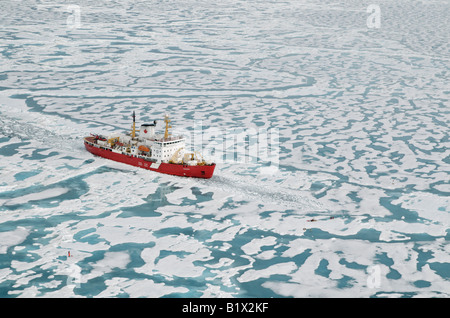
{"x": 151, "y": 146}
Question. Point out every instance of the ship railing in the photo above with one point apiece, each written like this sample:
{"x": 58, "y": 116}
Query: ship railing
{"x": 171, "y": 138}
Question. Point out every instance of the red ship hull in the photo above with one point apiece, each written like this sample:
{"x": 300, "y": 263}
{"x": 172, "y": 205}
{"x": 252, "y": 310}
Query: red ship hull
{"x": 205, "y": 171}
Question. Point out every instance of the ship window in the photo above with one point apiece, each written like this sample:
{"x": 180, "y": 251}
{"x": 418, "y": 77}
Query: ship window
{"x": 203, "y": 173}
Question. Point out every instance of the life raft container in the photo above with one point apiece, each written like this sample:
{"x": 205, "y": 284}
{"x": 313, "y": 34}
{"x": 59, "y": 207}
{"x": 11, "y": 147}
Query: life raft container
{"x": 143, "y": 148}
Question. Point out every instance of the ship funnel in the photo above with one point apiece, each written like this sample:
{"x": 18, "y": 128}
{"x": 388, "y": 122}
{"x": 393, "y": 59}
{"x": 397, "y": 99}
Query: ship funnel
{"x": 147, "y": 130}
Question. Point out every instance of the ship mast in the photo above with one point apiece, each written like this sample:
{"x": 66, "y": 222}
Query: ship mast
{"x": 133, "y": 131}
{"x": 167, "y": 121}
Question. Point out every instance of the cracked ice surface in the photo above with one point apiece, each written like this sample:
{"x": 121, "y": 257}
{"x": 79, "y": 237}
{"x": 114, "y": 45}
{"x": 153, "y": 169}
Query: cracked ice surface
{"x": 358, "y": 205}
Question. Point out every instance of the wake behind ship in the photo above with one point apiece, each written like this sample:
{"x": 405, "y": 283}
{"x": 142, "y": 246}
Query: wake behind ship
{"x": 148, "y": 150}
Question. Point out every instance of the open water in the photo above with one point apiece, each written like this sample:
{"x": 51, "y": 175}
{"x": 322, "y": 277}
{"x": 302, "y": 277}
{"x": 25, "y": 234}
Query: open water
{"x": 356, "y": 203}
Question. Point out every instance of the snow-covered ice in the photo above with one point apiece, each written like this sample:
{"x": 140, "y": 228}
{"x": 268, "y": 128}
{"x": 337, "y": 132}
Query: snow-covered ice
{"x": 356, "y": 204}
